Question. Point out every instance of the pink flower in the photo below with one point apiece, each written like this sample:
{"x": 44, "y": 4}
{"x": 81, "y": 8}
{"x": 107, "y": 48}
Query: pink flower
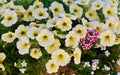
{"x": 91, "y": 36}
{"x": 86, "y": 44}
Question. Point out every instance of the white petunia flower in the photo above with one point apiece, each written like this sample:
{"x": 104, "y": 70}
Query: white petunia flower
{"x": 3, "y": 1}
{"x": 8, "y": 5}
{"x": 28, "y": 15}
{"x": 35, "y": 53}
{"x": 98, "y": 4}
{"x": 56, "y": 8}
{"x": 77, "y": 55}
{"x": 107, "y": 38}
{"x": 118, "y": 28}
{"x": 109, "y": 11}
{"x": 53, "y": 46}
{"x": 86, "y": 24}
{"x": 23, "y": 45}
{"x": 38, "y": 4}
{"x": 83, "y": 2}
{"x": 33, "y": 32}
{"x": 92, "y": 15}
{"x": 40, "y": 13}
{"x": 10, "y": 18}
{"x": 112, "y": 23}
{"x": 45, "y": 38}
{"x": 68, "y": 2}
{"x": 100, "y": 27}
{"x": 8, "y": 37}
{"x": 51, "y": 67}
{"x": 67, "y": 15}
{"x": 64, "y": 24}
{"x": 72, "y": 40}
{"x": 2, "y": 58}
{"x": 19, "y": 8}
{"x": 52, "y": 22}
{"x": 80, "y": 30}
{"x": 76, "y": 10}
{"x": 21, "y": 31}
{"x": 61, "y": 57}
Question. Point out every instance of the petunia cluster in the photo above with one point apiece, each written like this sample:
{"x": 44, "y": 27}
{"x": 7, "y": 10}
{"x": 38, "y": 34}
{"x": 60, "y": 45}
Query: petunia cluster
{"x": 64, "y": 31}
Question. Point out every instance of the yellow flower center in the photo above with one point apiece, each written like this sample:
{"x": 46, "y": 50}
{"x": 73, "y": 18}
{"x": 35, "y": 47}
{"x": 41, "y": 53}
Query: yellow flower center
{"x": 56, "y": 9}
{"x": 23, "y": 33}
{"x": 9, "y": 18}
{"x": 109, "y": 12}
{"x": 40, "y": 14}
{"x": 30, "y": 13}
{"x": 107, "y": 37}
{"x": 52, "y": 65}
{"x": 60, "y": 56}
{"x": 35, "y": 34}
{"x": 25, "y": 45}
{"x": 91, "y": 14}
{"x": 10, "y": 35}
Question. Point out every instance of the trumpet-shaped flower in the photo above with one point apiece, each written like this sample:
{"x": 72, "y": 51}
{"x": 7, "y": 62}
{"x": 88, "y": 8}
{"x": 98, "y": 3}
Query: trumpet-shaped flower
{"x": 100, "y": 27}
{"x": 112, "y": 23}
{"x": 35, "y": 53}
{"x": 80, "y": 30}
{"x": 68, "y": 2}
{"x": 2, "y": 58}
{"x": 8, "y": 5}
{"x": 98, "y": 4}
{"x": 76, "y": 10}
{"x": 86, "y": 24}
{"x": 8, "y": 37}
{"x": 64, "y": 24}
{"x": 109, "y": 11}
{"x": 3, "y": 1}
{"x": 92, "y": 15}
{"x": 118, "y": 28}
{"x": 77, "y": 55}
{"x": 53, "y": 46}
{"x": 52, "y": 22}
{"x": 19, "y": 8}
{"x": 28, "y": 16}
{"x": 67, "y": 15}
{"x": 72, "y": 39}
{"x": 38, "y": 4}
{"x": 21, "y": 31}
{"x": 83, "y": 2}
{"x": 45, "y": 38}
{"x": 107, "y": 38}
{"x": 51, "y": 67}
{"x": 61, "y": 57}
{"x": 23, "y": 45}
{"x": 33, "y": 32}
{"x": 10, "y": 18}
{"x": 40, "y": 13}
{"x": 56, "y": 8}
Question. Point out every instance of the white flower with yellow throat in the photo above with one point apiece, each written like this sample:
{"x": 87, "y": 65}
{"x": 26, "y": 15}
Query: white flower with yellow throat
{"x": 61, "y": 57}
{"x": 10, "y": 18}
{"x": 45, "y": 38}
